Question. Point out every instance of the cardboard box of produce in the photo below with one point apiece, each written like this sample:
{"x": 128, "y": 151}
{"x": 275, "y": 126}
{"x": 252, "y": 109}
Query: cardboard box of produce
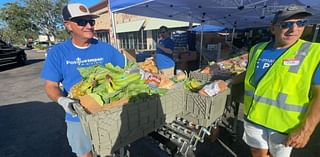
{"x": 91, "y": 106}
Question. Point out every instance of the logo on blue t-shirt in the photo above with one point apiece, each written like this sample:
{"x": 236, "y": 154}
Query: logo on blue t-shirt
{"x": 86, "y": 62}
{"x": 264, "y": 63}
{"x": 268, "y": 56}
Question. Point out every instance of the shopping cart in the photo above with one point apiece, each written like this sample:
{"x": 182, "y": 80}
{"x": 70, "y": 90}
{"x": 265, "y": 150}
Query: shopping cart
{"x": 200, "y": 114}
{"x": 113, "y": 129}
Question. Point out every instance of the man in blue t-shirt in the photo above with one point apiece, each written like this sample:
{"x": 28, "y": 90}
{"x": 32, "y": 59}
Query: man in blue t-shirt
{"x": 62, "y": 63}
{"x": 164, "y": 53}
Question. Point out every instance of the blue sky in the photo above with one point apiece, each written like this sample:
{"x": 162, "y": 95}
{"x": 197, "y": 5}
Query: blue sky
{"x": 89, "y": 3}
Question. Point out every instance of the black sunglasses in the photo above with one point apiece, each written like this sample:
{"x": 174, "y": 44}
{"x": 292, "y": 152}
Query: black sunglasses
{"x": 289, "y": 24}
{"x": 84, "y": 22}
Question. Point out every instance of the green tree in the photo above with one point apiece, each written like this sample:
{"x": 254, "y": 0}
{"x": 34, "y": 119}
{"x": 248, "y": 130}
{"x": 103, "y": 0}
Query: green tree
{"x": 8, "y": 35}
{"x": 62, "y": 34}
{"x": 46, "y": 15}
{"x": 16, "y": 23}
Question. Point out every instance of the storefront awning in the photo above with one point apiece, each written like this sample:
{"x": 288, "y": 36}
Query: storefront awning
{"x": 132, "y": 26}
{"x": 155, "y": 23}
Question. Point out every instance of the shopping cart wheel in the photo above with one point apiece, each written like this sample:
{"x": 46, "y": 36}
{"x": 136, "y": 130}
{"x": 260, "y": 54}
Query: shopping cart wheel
{"x": 122, "y": 152}
{"x": 178, "y": 155}
{"x": 189, "y": 154}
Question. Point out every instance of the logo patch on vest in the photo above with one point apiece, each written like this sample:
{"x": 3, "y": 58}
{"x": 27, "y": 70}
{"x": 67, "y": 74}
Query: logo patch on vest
{"x": 291, "y": 61}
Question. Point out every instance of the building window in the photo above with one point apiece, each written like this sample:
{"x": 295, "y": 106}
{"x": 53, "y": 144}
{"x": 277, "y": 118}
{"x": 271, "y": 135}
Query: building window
{"x": 143, "y": 40}
{"x": 103, "y": 36}
{"x": 133, "y": 40}
{"x": 154, "y": 39}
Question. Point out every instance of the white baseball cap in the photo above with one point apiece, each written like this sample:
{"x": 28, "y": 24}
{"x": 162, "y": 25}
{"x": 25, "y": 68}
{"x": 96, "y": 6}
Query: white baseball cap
{"x": 74, "y": 10}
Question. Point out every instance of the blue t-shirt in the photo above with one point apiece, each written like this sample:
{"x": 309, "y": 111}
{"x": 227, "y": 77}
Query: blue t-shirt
{"x": 165, "y": 60}
{"x": 267, "y": 58}
{"x": 63, "y": 60}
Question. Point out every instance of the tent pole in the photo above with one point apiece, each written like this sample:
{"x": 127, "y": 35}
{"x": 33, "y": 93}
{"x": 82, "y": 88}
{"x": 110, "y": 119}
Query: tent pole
{"x": 114, "y": 32}
{"x": 201, "y": 41}
{"x": 233, "y": 30}
{"x": 226, "y": 36}
{"x": 315, "y": 34}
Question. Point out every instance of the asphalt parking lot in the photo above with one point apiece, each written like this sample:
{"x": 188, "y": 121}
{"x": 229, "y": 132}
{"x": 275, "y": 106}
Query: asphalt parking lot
{"x": 33, "y": 126}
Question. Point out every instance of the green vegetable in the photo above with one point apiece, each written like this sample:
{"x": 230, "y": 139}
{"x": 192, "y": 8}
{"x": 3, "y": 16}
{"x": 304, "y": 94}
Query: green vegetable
{"x": 97, "y": 98}
{"x": 110, "y": 83}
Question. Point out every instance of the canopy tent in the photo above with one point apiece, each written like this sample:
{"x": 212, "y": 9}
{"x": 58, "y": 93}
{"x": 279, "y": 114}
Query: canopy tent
{"x": 235, "y": 14}
{"x": 205, "y": 28}
{"x": 226, "y": 13}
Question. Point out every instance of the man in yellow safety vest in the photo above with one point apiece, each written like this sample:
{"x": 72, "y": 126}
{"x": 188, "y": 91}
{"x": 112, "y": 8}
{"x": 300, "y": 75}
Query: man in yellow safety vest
{"x": 282, "y": 88}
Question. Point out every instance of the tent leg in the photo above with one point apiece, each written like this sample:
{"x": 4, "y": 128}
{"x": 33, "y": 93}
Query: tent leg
{"x": 316, "y": 31}
{"x": 115, "y": 42}
{"x": 233, "y": 31}
{"x": 201, "y": 42}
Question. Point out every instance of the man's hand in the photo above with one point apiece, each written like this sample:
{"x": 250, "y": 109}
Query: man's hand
{"x": 66, "y": 103}
{"x": 298, "y": 138}
{"x": 163, "y": 48}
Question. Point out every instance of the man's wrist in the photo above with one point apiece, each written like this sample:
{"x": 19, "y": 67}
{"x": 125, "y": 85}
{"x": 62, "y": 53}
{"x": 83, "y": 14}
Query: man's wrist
{"x": 307, "y": 127}
{"x": 66, "y": 103}
{"x": 61, "y": 99}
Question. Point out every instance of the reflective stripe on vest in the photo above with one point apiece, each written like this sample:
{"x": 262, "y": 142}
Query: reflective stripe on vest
{"x": 280, "y": 102}
{"x": 303, "y": 51}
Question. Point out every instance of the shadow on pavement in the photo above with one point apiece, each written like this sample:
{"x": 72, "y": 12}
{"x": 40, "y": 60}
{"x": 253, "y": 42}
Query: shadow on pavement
{"x": 12, "y": 65}
{"x": 33, "y": 129}
{"x": 33, "y": 61}
{"x": 37, "y": 129}
{"x": 235, "y": 142}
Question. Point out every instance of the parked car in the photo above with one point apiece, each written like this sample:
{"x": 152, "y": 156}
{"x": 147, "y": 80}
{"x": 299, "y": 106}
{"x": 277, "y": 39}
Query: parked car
{"x": 9, "y": 54}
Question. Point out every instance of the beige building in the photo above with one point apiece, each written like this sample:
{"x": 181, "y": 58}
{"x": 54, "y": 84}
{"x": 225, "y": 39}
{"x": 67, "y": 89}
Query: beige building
{"x": 103, "y": 25}
{"x": 132, "y": 31}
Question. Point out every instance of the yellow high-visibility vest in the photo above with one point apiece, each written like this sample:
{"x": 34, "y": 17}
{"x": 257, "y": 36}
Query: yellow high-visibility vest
{"x": 282, "y": 96}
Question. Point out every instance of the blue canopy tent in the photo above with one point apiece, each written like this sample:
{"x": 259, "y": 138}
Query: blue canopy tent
{"x": 226, "y": 13}
{"x": 205, "y": 28}
{"x": 233, "y": 14}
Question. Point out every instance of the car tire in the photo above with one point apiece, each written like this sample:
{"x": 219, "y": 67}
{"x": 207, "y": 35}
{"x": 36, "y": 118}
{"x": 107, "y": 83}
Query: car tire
{"x": 22, "y": 58}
